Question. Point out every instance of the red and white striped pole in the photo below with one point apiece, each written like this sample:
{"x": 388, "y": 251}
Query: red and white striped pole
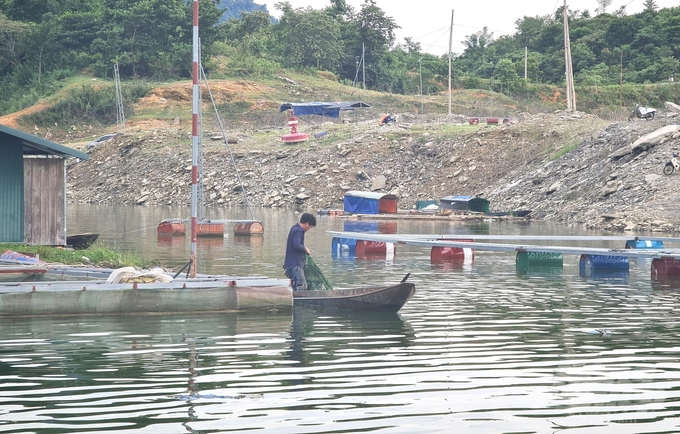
{"x": 194, "y": 143}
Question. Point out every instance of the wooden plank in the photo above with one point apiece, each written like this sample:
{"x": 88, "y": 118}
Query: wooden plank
{"x": 44, "y": 204}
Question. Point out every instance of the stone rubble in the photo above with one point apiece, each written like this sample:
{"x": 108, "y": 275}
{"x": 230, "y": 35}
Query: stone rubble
{"x": 572, "y": 168}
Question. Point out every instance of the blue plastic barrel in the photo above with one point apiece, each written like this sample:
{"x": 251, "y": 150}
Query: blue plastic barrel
{"x": 644, "y": 244}
{"x": 589, "y": 263}
{"x": 343, "y": 247}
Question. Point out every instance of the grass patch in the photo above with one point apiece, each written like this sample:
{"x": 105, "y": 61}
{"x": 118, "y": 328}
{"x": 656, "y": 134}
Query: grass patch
{"x": 562, "y": 151}
{"x": 96, "y": 255}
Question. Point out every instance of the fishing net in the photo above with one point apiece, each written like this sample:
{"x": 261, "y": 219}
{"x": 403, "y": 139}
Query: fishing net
{"x": 315, "y": 278}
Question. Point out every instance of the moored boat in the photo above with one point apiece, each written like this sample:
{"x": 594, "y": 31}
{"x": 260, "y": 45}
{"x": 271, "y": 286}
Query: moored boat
{"x": 81, "y": 241}
{"x": 99, "y": 297}
{"x": 373, "y": 299}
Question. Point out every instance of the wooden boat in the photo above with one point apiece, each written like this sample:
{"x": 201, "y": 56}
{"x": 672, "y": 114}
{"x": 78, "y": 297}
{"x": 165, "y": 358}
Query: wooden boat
{"x": 81, "y": 241}
{"x": 182, "y": 295}
{"x": 373, "y": 299}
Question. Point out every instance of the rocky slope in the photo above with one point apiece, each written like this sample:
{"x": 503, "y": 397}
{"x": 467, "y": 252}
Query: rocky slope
{"x": 567, "y": 167}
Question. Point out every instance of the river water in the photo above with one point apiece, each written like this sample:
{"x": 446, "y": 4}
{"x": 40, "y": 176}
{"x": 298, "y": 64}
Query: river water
{"x": 481, "y": 348}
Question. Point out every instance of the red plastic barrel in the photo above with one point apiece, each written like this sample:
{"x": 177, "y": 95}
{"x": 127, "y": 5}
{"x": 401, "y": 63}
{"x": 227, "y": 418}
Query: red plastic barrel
{"x": 440, "y": 254}
{"x": 665, "y": 267}
{"x": 374, "y": 248}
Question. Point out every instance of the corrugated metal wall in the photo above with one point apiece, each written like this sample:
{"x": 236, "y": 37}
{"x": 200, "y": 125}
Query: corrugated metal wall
{"x": 45, "y": 192}
{"x": 11, "y": 191}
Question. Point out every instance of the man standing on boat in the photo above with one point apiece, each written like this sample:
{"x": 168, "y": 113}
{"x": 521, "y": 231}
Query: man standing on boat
{"x": 294, "y": 264}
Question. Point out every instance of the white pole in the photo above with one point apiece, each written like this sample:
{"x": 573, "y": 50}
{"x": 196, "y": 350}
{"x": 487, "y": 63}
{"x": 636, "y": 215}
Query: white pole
{"x": 363, "y": 62}
{"x": 194, "y": 142}
{"x": 450, "y": 44}
{"x": 421, "y": 87}
{"x": 571, "y": 94}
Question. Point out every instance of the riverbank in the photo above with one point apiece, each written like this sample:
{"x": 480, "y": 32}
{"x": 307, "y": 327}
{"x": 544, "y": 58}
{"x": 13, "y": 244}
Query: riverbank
{"x": 96, "y": 255}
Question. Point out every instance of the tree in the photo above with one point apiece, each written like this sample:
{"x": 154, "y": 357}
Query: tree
{"x": 152, "y": 37}
{"x": 650, "y": 6}
{"x": 374, "y": 31}
{"x": 505, "y": 73}
{"x": 603, "y": 5}
{"x": 308, "y": 38}
{"x": 11, "y": 49}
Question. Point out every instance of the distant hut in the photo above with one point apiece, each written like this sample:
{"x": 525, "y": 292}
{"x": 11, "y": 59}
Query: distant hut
{"x": 33, "y": 188}
{"x": 465, "y": 203}
{"x": 367, "y": 202}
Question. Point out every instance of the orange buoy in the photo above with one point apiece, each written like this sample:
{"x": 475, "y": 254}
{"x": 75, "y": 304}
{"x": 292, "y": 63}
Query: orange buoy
{"x": 249, "y": 228}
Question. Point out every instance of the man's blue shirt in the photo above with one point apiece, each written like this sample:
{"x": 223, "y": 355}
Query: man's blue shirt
{"x": 295, "y": 247}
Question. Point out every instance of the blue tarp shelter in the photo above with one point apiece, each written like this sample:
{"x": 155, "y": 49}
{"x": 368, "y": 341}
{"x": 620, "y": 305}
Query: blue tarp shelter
{"x": 367, "y": 202}
{"x": 464, "y": 203}
{"x": 328, "y": 109}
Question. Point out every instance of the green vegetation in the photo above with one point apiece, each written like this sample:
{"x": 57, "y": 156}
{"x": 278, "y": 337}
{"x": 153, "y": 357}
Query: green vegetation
{"x": 88, "y": 104}
{"x": 563, "y": 151}
{"x": 95, "y": 254}
{"x": 43, "y": 43}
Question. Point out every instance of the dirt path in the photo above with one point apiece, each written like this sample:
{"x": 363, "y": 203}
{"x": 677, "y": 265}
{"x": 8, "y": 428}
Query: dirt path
{"x": 10, "y": 120}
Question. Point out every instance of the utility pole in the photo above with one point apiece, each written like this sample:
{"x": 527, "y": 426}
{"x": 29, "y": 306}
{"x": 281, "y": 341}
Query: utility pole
{"x": 450, "y": 43}
{"x": 120, "y": 114}
{"x": 621, "y": 79}
{"x": 526, "y": 58}
{"x": 421, "y": 87}
{"x": 571, "y": 94}
{"x": 363, "y": 62}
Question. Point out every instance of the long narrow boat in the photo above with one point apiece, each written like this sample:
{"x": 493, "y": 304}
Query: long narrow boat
{"x": 182, "y": 295}
{"x": 372, "y": 299}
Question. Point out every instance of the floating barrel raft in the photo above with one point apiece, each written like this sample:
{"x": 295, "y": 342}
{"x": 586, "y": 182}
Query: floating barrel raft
{"x": 210, "y": 228}
{"x": 593, "y": 262}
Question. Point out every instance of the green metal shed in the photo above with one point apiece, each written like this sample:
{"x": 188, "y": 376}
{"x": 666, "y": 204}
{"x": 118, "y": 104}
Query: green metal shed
{"x": 33, "y": 188}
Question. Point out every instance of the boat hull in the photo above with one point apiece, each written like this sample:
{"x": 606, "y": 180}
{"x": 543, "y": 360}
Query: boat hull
{"x": 81, "y": 241}
{"x": 372, "y": 299}
{"x": 18, "y": 273}
{"x": 180, "y": 296}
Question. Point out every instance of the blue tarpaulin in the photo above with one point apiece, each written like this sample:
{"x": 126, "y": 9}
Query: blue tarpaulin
{"x": 367, "y": 202}
{"x": 329, "y": 109}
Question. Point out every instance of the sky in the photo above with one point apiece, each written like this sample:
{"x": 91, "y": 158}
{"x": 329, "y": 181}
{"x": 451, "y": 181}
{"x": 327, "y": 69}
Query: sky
{"x": 428, "y": 21}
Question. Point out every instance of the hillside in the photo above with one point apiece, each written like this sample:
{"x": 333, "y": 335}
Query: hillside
{"x": 568, "y": 167}
{"x": 557, "y": 165}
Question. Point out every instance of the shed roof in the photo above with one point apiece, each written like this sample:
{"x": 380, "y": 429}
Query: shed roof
{"x": 330, "y": 109}
{"x": 462, "y": 199}
{"x": 370, "y": 195}
{"x": 34, "y": 145}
